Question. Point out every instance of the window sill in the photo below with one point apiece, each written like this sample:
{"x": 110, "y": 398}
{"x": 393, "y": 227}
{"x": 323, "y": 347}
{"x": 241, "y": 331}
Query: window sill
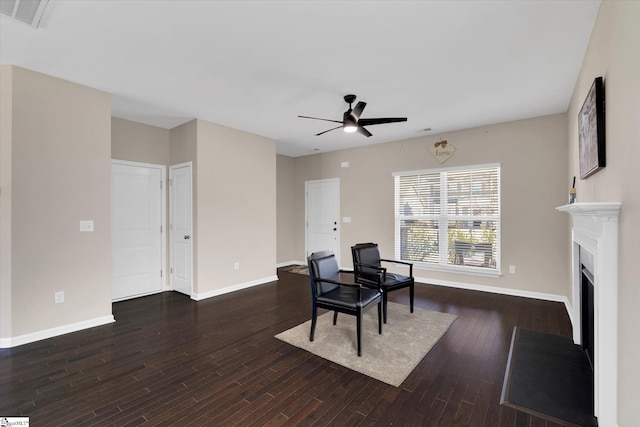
{"x": 459, "y": 269}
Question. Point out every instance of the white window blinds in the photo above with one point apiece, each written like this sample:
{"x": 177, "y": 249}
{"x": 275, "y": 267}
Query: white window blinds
{"x": 449, "y": 217}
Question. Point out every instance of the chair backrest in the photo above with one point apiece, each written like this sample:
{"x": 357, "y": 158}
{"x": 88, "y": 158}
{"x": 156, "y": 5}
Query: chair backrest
{"x": 322, "y": 265}
{"x": 365, "y": 253}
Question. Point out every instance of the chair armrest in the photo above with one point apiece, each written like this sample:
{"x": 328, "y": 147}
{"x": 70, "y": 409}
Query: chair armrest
{"x": 381, "y": 270}
{"x": 336, "y": 282}
{"x": 395, "y": 261}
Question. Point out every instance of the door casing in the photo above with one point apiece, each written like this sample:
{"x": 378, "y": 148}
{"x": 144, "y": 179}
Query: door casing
{"x": 161, "y": 169}
{"x": 181, "y": 210}
{"x": 329, "y": 192}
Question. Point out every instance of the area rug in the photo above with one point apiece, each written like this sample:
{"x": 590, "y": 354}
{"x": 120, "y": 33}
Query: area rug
{"x": 390, "y": 357}
{"x": 296, "y": 268}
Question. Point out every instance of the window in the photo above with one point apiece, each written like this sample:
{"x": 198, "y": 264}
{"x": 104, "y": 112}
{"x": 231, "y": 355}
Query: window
{"x": 449, "y": 218}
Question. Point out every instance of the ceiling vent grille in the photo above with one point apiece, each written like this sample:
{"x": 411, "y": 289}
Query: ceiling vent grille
{"x": 27, "y": 11}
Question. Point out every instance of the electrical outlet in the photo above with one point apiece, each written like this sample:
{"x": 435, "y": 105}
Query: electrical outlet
{"x": 58, "y": 297}
{"x": 512, "y": 269}
{"x": 236, "y": 266}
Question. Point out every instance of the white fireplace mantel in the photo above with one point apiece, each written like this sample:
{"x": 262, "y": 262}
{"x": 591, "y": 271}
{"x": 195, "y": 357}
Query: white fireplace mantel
{"x": 595, "y": 229}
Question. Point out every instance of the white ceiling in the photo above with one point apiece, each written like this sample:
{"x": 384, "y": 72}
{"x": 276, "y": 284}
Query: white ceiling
{"x": 257, "y": 65}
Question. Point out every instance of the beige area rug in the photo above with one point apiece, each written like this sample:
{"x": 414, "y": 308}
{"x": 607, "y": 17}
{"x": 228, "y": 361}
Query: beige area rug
{"x": 295, "y": 268}
{"x": 390, "y": 357}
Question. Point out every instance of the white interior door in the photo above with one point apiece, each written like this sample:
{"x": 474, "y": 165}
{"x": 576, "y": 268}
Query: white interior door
{"x": 180, "y": 227}
{"x": 137, "y": 218}
{"x": 323, "y": 216}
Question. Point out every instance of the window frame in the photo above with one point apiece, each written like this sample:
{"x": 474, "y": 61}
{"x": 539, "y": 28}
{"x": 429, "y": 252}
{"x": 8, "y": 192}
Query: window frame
{"x": 443, "y": 217}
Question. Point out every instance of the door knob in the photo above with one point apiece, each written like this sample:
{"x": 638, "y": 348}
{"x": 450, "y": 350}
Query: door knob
{"x": 335, "y": 229}
{"x": 187, "y": 237}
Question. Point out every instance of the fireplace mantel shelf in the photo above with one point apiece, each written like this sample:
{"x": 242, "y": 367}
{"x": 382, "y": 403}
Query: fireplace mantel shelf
{"x": 595, "y": 209}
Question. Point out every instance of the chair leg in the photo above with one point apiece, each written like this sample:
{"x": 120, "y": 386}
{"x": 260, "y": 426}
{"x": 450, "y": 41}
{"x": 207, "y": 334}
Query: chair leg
{"x": 384, "y": 306}
{"x": 358, "y": 332}
{"x": 411, "y": 296}
{"x": 314, "y": 316}
{"x": 335, "y": 317}
{"x": 380, "y": 318}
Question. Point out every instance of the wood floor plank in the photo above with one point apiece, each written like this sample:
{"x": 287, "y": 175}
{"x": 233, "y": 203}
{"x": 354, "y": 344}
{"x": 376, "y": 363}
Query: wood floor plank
{"x": 169, "y": 360}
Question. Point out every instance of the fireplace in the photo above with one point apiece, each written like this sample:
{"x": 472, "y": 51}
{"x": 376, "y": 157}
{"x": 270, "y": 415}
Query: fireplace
{"x": 587, "y": 315}
{"x": 594, "y": 257}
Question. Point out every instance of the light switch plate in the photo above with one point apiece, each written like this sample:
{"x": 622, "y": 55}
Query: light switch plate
{"x": 86, "y": 225}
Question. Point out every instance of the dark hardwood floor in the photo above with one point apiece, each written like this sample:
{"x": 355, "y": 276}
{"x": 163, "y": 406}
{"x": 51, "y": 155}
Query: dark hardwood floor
{"x": 169, "y": 360}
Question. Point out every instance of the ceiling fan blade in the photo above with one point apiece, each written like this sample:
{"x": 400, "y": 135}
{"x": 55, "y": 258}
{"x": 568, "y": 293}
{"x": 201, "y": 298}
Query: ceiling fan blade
{"x": 318, "y": 134}
{"x": 369, "y": 122}
{"x": 363, "y": 131}
{"x": 358, "y": 110}
{"x": 317, "y": 118}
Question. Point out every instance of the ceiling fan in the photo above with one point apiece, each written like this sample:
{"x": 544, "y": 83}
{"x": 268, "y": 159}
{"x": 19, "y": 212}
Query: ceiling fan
{"x": 351, "y": 121}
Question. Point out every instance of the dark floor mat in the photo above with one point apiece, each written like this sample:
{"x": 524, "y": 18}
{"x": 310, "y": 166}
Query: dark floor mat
{"x": 549, "y": 376}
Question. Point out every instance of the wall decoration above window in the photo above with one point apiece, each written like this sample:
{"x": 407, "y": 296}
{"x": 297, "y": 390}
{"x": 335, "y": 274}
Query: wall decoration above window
{"x": 591, "y": 136}
{"x": 442, "y": 151}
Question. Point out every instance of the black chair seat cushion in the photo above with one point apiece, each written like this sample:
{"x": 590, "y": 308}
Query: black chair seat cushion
{"x": 347, "y": 296}
{"x": 393, "y": 281}
{"x": 396, "y": 280}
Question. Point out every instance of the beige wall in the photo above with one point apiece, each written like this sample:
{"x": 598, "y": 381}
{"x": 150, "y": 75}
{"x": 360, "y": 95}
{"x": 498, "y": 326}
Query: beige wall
{"x": 285, "y": 211}
{"x": 6, "y": 119}
{"x": 137, "y": 142}
{"x": 236, "y": 207}
{"x": 60, "y": 174}
{"x": 614, "y": 54}
{"x": 533, "y": 156}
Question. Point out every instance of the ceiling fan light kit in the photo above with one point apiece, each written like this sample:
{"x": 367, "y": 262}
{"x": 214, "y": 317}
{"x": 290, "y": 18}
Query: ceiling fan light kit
{"x": 351, "y": 121}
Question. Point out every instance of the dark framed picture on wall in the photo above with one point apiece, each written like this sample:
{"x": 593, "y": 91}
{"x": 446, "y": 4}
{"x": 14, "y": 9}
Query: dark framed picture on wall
{"x": 591, "y": 131}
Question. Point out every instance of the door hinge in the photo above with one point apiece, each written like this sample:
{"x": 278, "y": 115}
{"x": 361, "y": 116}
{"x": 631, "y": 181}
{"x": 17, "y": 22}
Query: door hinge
{"x": 160, "y": 229}
{"x": 170, "y": 183}
{"x": 160, "y": 273}
{"x": 161, "y": 185}
{"x": 171, "y": 270}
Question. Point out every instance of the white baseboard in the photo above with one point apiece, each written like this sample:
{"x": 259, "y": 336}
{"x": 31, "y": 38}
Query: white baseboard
{"x": 502, "y": 291}
{"x": 226, "y": 290}
{"x": 54, "y": 332}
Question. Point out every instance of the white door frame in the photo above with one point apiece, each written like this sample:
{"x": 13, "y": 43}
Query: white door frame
{"x": 336, "y": 181}
{"x": 163, "y": 215}
{"x": 171, "y": 204}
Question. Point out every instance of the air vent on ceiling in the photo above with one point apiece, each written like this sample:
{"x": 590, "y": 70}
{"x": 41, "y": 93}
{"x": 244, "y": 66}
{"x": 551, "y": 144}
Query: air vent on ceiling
{"x": 27, "y": 11}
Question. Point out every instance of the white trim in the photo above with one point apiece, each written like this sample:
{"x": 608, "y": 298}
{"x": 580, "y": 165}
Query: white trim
{"x": 595, "y": 229}
{"x": 54, "y": 332}
{"x": 443, "y": 217}
{"x": 164, "y": 283}
{"x": 306, "y": 214}
{"x": 496, "y": 290}
{"x": 172, "y": 168}
{"x": 145, "y": 294}
{"x": 199, "y": 297}
{"x": 458, "y": 269}
{"x": 452, "y": 168}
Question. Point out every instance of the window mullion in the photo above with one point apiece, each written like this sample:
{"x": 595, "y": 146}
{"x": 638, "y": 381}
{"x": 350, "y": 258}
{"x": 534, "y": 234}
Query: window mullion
{"x": 443, "y": 237}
